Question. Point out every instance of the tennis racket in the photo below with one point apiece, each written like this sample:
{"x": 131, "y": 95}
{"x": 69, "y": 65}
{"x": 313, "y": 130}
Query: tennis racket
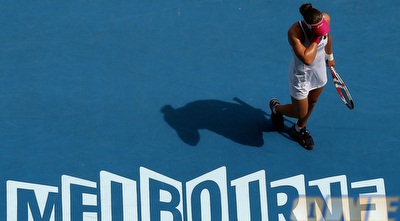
{"x": 342, "y": 88}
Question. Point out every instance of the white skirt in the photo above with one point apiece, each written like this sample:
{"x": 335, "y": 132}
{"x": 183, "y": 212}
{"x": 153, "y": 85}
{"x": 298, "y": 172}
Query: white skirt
{"x": 305, "y": 78}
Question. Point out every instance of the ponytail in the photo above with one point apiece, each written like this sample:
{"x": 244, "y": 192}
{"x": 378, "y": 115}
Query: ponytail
{"x": 304, "y": 8}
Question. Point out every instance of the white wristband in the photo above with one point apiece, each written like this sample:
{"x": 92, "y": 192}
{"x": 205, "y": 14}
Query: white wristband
{"x": 329, "y": 57}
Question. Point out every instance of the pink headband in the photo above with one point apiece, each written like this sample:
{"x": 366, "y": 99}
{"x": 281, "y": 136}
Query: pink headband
{"x": 321, "y": 28}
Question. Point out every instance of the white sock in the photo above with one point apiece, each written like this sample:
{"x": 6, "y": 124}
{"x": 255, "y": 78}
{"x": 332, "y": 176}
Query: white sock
{"x": 297, "y": 127}
{"x": 274, "y": 108}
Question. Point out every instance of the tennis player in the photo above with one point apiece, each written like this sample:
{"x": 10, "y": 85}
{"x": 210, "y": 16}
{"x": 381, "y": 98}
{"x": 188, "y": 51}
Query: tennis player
{"x": 312, "y": 50}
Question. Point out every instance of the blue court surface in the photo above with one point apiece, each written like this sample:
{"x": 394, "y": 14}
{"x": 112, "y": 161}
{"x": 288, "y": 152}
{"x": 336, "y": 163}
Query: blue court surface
{"x": 158, "y": 110}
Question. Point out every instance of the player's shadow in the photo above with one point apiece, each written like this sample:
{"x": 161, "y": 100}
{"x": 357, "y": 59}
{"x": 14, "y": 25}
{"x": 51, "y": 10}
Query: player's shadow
{"x": 239, "y": 121}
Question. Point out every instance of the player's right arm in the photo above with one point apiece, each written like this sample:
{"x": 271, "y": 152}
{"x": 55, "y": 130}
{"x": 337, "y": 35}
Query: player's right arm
{"x": 296, "y": 39}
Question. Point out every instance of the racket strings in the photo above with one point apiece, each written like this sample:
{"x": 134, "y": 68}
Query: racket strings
{"x": 342, "y": 89}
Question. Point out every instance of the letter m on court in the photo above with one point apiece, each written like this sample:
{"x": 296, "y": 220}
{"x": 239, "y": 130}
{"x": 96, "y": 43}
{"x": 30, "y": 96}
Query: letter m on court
{"x": 31, "y": 202}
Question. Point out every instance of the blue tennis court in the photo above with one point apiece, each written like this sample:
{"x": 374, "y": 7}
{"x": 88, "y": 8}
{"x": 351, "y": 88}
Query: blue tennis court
{"x": 158, "y": 110}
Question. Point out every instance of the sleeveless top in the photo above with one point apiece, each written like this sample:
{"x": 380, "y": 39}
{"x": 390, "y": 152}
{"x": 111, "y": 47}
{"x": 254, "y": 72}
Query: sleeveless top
{"x": 304, "y": 78}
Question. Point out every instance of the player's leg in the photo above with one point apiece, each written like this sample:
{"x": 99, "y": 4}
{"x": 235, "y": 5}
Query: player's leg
{"x": 299, "y": 132}
{"x": 311, "y": 100}
{"x": 297, "y": 109}
{"x": 301, "y": 109}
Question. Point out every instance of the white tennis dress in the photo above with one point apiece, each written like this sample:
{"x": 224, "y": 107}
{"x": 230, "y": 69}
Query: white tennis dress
{"x": 304, "y": 78}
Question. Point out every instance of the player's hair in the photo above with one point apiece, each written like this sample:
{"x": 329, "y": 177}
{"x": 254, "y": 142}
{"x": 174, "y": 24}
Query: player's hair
{"x": 311, "y": 15}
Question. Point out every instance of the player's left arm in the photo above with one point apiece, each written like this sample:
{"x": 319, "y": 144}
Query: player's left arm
{"x": 328, "y": 47}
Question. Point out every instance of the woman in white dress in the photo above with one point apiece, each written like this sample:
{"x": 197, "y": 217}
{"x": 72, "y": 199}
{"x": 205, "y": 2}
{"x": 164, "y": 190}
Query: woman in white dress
{"x": 312, "y": 50}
